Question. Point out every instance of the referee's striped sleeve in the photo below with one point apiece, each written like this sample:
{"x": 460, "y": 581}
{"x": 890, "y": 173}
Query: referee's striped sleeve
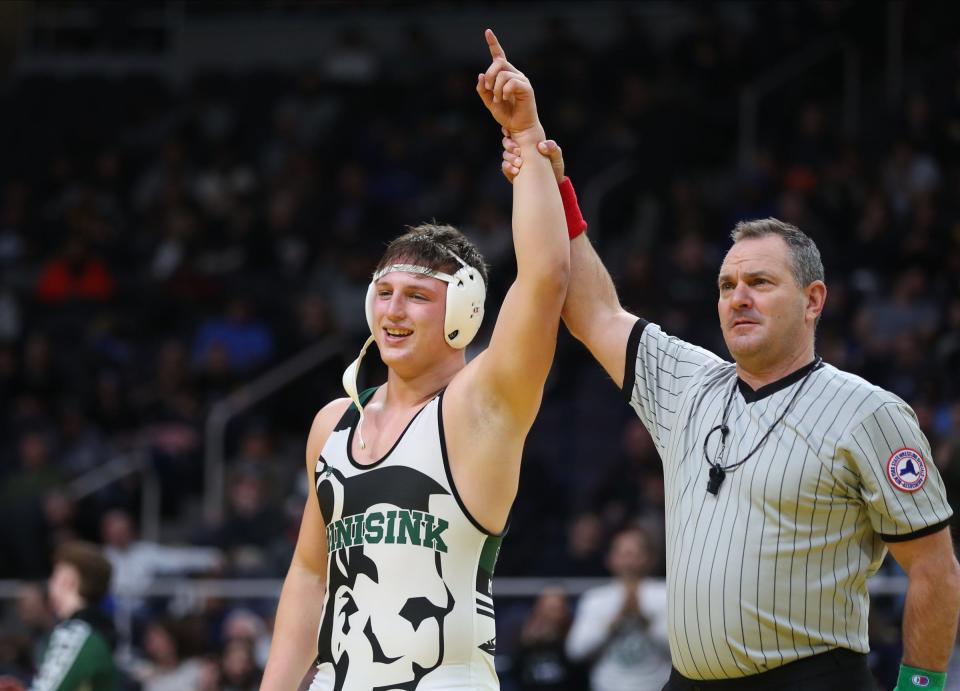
{"x": 659, "y": 368}
{"x": 900, "y": 484}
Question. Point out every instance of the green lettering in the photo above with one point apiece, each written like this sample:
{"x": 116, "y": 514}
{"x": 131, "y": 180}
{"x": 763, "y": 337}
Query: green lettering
{"x": 344, "y": 539}
{"x": 373, "y": 528}
{"x": 410, "y": 527}
{"x": 331, "y": 539}
{"x": 356, "y": 528}
{"x": 434, "y": 535}
{"x": 391, "y": 535}
{"x": 400, "y": 527}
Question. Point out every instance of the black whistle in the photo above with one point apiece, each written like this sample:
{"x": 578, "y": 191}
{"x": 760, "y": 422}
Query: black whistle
{"x": 717, "y": 475}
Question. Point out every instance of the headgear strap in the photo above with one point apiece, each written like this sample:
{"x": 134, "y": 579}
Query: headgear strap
{"x": 474, "y": 302}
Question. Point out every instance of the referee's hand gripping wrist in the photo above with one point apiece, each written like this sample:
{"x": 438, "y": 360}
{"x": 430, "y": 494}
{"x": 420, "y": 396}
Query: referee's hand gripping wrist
{"x": 912, "y": 678}
{"x": 512, "y": 162}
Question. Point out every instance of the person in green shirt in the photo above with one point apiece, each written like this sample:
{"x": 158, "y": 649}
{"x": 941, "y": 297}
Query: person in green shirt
{"x": 79, "y": 656}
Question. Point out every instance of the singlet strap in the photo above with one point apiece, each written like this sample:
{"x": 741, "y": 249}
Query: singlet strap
{"x": 351, "y": 416}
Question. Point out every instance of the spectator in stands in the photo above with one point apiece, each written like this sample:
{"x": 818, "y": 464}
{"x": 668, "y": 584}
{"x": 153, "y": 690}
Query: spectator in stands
{"x": 75, "y": 274}
{"x": 41, "y": 524}
{"x": 170, "y": 394}
{"x": 33, "y": 500}
{"x": 35, "y": 618}
{"x": 252, "y": 532}
{"x": 80, "y": 654}
{"x": 244, "y": 625}
{"x": 947, "y": 454}
{"x": 948, "y": 347}
{"x": 238, "y": 669}
{"x": 110, "y": 407}
{"x": 82, "y": 444}
{"x": 243, "y": 339}
{"x": 585, "y": 543}
{"x": 41, "y": 374}
{"x": 165, "y": 667}
{"x": 37, "y": 473}
{"x": 11, "y": 319}
{"x": 312, "y": 320}
{"x": 620, "y": 629}
{"x": 624, "y": 479}
{"x": 259, "y": 456}
{"x": 136, "y": 563}
{"x": 14, "y": 215}
{"x": 13, "y": 662}
{"x": 24, "y": 635}
{"x": 541, "y": 663}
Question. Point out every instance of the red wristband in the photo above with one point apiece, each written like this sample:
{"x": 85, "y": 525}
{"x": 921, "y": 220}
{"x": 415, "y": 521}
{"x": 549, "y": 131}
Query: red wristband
{"x": 575, "y": 222}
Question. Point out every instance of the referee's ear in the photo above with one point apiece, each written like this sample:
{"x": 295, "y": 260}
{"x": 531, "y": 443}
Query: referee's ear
{"x": 816, "y": 293}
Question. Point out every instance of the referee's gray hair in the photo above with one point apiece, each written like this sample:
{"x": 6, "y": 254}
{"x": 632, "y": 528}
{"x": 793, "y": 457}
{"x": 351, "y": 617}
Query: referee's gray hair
{"x": 805, "y": 261}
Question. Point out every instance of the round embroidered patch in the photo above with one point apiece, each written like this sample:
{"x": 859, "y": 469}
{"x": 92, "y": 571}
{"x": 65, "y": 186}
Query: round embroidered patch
{"x": 907, "y": 470}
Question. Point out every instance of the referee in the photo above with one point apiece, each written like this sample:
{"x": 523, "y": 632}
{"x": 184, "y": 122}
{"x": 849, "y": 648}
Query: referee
{"x": 787, "y": 480}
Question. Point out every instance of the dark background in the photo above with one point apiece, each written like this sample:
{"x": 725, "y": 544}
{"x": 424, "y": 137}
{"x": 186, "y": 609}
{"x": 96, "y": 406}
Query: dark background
{"x": 193, "y": 193}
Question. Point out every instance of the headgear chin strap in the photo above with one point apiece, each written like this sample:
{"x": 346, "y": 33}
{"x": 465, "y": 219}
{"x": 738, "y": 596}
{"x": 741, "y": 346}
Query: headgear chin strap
{"x": 350, "y": 385}
{"x": 464, "y": 313}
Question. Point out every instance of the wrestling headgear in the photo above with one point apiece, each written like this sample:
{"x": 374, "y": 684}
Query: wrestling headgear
{"x": 464, "y": 313}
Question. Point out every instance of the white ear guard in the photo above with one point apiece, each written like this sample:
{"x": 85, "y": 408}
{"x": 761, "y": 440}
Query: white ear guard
{"x": 465, "y": 296}
{"x": 464, "y": 313}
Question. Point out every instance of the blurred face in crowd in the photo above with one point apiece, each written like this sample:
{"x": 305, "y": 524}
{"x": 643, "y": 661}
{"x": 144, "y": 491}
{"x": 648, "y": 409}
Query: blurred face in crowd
{"x": 116, "y": 528}
{"x": 585, "y": 535}
{"x": 246, "y": 495}
{"x": 238, "y": 661}
{"x": 34, "y": 451}
{"x": 160, "y": 645}
{"x": 551, "y": 607}
{"x": 32, "y": 606}
{"x": 408, "y": 315}
{"x": 629, "y": 555}
{"x": 765, "y": 316}
{"x": 244, "y": 626}
{"x": 64, "y": 587}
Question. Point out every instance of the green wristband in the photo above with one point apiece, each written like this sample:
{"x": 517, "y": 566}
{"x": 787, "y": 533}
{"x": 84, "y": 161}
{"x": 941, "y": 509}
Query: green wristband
{"x": 916, "y": 678}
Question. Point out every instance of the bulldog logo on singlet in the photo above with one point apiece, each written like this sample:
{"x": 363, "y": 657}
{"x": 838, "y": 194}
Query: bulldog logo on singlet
{"x": 383, "y": 624}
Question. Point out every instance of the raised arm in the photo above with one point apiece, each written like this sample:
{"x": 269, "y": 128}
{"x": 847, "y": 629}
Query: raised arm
{"x": 592, "y": 311}
{"x": 294, "y": 645}
{"x": 507, "y": 379}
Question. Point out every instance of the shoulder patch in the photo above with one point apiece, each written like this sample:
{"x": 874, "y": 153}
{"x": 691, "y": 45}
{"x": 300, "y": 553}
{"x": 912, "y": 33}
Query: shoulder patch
{"x": 907, "y": 470}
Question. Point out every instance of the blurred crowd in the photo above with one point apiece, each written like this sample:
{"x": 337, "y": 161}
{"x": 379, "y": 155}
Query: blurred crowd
{"x": 160, "y": 245}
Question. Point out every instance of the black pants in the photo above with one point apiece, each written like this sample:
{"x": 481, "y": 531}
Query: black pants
{"x": 838, "y": 670}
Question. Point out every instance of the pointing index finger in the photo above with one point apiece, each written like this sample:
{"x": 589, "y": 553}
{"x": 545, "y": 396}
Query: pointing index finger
{"x": 496, "y": 51}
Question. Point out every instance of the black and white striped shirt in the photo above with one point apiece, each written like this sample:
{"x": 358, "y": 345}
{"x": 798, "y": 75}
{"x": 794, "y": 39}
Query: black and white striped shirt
{"x": 774, "y": 567}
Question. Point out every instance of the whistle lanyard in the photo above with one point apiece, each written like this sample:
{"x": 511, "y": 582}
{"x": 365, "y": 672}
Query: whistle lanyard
{"x": 718, "y": 471}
